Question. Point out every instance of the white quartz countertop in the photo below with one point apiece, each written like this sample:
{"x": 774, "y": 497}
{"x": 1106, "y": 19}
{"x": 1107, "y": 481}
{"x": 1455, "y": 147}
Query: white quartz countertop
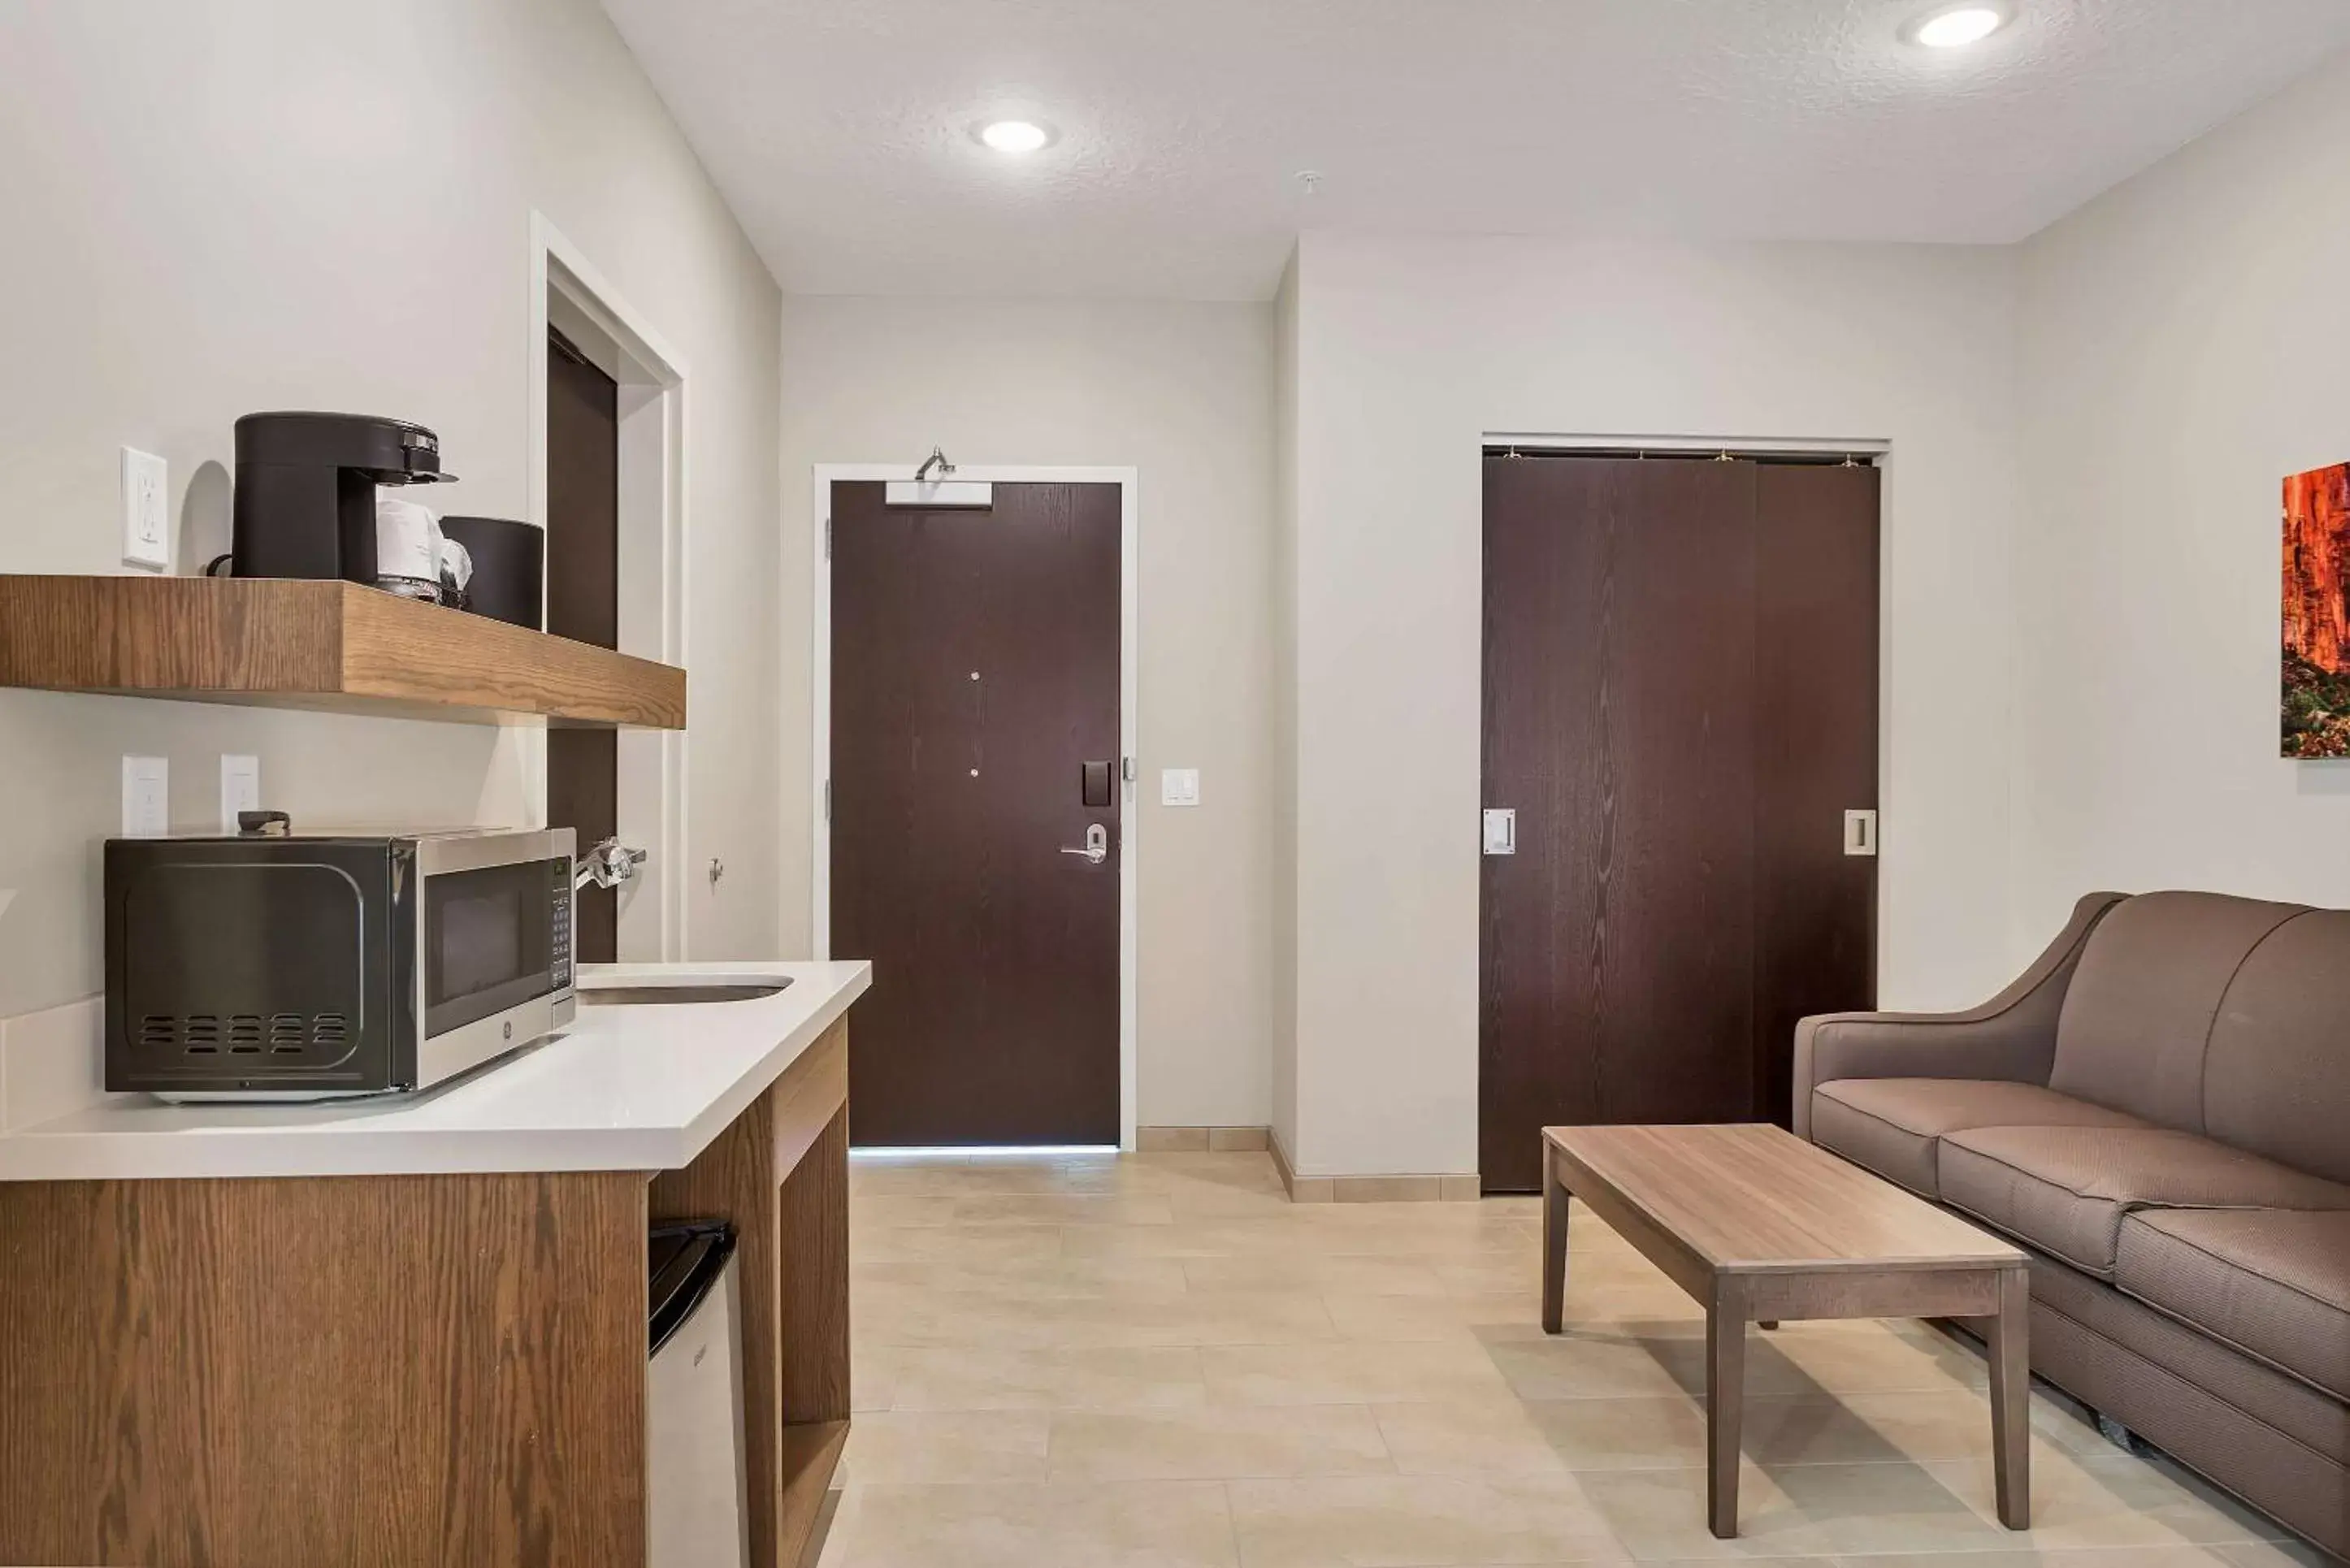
{"x": 621, "y": 1089}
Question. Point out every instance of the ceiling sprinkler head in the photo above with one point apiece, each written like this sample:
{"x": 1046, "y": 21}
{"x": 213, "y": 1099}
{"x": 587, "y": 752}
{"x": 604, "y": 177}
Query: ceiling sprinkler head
{"x": 1309, "y": 180}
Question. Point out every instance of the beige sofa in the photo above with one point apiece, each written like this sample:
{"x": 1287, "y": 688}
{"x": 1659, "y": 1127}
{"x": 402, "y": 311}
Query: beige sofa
{"x": 2159, "y": 1109}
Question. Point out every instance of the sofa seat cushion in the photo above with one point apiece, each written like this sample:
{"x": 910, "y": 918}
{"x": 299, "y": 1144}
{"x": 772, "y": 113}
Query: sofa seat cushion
{"x": 2274, "y": 1283}
{"x": 1890, "y": 1126}
{"x": 2065, "y": 1191}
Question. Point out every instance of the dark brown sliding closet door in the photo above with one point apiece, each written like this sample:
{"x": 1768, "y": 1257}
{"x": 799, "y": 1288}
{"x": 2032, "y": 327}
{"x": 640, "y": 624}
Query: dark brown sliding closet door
{"x": 1657, "y": 715}
{"x": 1815, "y": 758}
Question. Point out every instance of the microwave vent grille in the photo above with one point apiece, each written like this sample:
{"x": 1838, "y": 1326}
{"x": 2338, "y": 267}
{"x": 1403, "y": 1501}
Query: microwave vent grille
{"x": 244, "y": 1033}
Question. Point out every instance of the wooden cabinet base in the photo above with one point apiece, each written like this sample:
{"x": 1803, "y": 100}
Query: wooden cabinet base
{"x": 400, "y": 1370}
{"x": 761, "y": 1174}
{"x": 811, "y": 1453}
{"x": 370, "y": 1369}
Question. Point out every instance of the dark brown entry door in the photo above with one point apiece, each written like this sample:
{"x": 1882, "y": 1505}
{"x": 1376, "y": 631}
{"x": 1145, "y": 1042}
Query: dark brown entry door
{"x": 583, "y": 602}
{"x": 974, "y": 680}
{"x": 1681, "y": 706}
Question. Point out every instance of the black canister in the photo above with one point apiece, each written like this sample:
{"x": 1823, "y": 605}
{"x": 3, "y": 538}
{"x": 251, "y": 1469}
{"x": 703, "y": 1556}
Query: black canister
{"x": 509, "y": 569}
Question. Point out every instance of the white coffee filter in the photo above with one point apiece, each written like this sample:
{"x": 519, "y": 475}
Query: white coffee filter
{"x": 407, "y": 539}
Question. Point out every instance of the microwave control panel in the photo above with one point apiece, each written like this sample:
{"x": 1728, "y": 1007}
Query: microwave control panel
{"x": 558, "y": 963}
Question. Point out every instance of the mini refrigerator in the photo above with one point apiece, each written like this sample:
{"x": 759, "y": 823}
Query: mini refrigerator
{"x": 696, "y": 1483}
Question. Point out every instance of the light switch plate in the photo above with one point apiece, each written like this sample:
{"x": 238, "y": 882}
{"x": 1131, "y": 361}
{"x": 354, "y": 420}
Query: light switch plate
{"x": 146, "y": 797}
{"x": 146, "y": 510}
{"x": 1178, "y": 786}
{"x": 240, "y": 789}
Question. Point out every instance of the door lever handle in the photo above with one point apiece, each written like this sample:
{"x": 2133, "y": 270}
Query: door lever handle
{"x": 1096, "y": 848}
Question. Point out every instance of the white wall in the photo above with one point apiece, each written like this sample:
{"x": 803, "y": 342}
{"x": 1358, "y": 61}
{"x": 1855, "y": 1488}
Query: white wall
{"x": 1184, "y": 393}
{"x": 218, "y": 208}
{"x": 2182, "y": 342}
{"x": 1409, "y": 352}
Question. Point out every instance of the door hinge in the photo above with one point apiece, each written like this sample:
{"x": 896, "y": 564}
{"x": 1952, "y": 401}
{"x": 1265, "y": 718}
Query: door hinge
{"x": 827, "y": 538}
{"x": 827, "y": 803}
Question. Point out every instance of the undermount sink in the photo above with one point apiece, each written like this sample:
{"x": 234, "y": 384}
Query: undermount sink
{"x": 678, "y": 995}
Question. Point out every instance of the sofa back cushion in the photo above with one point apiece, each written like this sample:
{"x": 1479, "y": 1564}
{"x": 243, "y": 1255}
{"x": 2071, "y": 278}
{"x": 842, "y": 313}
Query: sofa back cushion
{"x": 2277, "y": 1078}
{"x": 2139, "y": 1012}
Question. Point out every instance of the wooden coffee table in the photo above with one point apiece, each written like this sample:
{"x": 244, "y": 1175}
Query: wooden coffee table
{"x": 1761, "y": 1227}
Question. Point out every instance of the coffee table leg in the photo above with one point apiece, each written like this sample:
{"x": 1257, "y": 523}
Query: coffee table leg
{"x": 1554, "y": 1202}
{"x": 2010, "y": 1399}
{"x": 1725, "y": 1396}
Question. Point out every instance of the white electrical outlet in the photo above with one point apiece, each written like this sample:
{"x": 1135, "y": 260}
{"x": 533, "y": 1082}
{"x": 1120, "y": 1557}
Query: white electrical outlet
{"x": 146, "y": 507}
{"x": 146, "y": 797}
{"x": 240, "y": 789}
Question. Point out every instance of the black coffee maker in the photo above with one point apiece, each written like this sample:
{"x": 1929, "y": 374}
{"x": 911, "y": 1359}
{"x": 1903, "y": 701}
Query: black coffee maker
{"x": 306, "y": 482}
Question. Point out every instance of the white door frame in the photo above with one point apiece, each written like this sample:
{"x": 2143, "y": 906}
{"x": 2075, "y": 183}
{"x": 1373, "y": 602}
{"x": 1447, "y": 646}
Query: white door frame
{"x": 1128, "y": 665}
{"x": 566, "y": 290}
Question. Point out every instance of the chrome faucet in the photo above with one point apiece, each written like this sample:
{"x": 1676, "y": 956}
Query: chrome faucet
{"x": 608, "y": 865}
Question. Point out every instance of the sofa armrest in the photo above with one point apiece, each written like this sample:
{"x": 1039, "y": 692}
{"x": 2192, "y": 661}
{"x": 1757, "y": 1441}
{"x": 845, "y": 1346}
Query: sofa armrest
{"x": 2012, "y": 1036}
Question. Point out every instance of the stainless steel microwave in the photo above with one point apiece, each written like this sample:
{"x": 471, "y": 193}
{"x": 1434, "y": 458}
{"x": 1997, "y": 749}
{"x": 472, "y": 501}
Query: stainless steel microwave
{"x": 309, "y": 966}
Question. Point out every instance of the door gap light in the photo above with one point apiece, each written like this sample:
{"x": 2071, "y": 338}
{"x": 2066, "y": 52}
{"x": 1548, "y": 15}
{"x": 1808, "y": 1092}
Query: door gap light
{"x": 960, "y": 1151}
{"x": 1014, "y": 136}
{"x": 1958, "y": 26}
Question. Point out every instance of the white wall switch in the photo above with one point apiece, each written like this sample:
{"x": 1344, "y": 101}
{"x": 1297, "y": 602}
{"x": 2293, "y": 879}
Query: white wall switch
{"x": 240, "y": 789}
{"x": 1178, "y": 786}
{"x": 146, "y": 510}
{"x": 146, "y": 797}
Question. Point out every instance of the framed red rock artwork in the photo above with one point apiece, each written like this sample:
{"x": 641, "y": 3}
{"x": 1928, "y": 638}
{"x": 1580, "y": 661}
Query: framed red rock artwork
{"x": 2318, "y": 613}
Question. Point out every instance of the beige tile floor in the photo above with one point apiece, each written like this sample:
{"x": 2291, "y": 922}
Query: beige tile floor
{"x": 1157, "y": 1360}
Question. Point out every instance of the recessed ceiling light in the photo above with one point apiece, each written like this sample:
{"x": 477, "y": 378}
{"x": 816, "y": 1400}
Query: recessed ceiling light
{"x": 1014, "y": 136}
{"x": 1958, "y": 26}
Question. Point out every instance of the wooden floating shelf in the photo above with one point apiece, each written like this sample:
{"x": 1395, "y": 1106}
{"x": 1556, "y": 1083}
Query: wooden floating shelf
{"x": 332, "y": 646}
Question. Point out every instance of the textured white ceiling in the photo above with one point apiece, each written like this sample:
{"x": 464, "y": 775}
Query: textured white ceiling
{"x": 841, "y": 129}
